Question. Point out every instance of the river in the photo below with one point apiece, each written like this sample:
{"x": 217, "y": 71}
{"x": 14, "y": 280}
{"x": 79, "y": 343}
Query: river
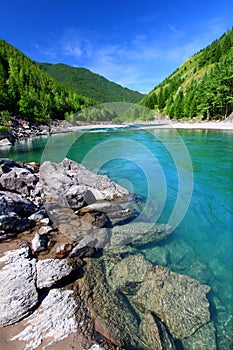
{"x": 186, "y": 177}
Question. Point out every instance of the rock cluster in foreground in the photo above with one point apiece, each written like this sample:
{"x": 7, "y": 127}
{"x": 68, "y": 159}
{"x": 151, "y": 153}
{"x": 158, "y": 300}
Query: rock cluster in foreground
{"x": 77, "y": 269}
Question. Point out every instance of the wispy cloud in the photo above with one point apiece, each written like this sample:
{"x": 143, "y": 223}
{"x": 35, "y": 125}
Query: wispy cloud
{"x": 139, "y": 63}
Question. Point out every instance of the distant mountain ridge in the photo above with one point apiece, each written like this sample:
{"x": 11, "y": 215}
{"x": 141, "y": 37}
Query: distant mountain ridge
{"x": 89, "y": 84}
{"x": 202, "y": 87}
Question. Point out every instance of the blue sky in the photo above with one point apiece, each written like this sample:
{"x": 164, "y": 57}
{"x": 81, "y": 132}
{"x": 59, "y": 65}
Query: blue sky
{"x": 134, "y": 43}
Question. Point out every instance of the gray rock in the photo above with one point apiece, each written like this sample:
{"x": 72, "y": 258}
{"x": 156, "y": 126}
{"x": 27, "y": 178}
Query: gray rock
{"x": 6, "y": 135}
{"x": 44, "y": 230}
{"x": 178, "y": 300}
{"x": 103, "y": 186}
{"x": 44, "y": 221}
{"x": 5, "y": 142}
{"x": 72, "y": 182}
{"x": 39, "y": 215}
{"x": 11, "y": 222}
{"x": 18, "y": 293}
{"x": 13, "y": 202}
{"x": 53, "y": 321}
{"x": 84, "y": 248}
{"x": 50, "y": 271}
{"x": 77, "y": 195}
{"x": 39, "y": 243}
{"x": 14, "y": 177}
{"x": 139, "y": 233}
{"x": 67, "y": 222}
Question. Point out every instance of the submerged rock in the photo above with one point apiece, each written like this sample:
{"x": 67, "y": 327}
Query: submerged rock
{"x": 18, "y": 293}
{"x": 113, "y": 316}
{"x": 139, "y": 233}
{"x": 154, "y": 334}
{"x": 128, "y": 274}
{"x": 110, "y": 313}
{"x": 204, "y": 338}
{"x": 178, "y": 300}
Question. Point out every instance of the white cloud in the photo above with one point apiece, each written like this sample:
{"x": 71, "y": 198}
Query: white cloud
{"x": 140, "y": 63}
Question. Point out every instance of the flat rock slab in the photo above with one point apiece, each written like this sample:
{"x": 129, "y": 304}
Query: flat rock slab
{"x": 178, "y": 300}
{"x": 18, "y": 293}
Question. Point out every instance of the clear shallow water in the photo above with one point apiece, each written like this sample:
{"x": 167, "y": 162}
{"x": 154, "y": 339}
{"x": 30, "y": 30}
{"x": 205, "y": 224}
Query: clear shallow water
{"x": 201, "y": 246}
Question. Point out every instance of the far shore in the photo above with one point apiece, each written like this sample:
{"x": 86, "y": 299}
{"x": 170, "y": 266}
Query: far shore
{"x": 21, "y": 134}
{"x": 160, "y": 124}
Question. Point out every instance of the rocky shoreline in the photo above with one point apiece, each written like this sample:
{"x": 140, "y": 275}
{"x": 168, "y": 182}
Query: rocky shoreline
{"x": 70, "y": 267}
{"x": 22, "y": 128}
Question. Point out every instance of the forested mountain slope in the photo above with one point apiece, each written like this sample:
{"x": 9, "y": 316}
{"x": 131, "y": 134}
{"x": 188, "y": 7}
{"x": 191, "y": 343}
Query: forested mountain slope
{"x": 89, "y": 84}
{"x": 201, "y": 87}
{"x": 27, "y": 90}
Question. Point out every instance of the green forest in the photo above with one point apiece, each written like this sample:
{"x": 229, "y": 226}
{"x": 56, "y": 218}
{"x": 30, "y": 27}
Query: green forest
{"x": 201, "y": 88}
{"x": 26, "y": 90}
{"x": 89, "y": 84}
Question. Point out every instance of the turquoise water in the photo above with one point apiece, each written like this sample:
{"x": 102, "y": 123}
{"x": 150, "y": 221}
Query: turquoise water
{"x": 155, "y": 164}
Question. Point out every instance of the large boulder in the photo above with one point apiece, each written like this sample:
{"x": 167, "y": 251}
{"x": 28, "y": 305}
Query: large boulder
{"x": 178, "y": 300}
{"x": 70, "y": 183}
{"x": 100, "y": 185}
{"x": 18, "y": 293}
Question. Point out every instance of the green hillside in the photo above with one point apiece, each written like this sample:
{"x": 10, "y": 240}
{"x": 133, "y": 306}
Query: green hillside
{"x": 27, "y": 90}
{"x": 89, "y": 84}
{"x": 201, "y": 87}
